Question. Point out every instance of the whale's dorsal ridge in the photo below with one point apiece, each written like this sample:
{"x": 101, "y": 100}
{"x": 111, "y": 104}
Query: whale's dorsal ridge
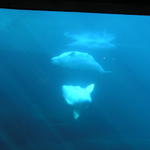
{"x": 72, "y": 53}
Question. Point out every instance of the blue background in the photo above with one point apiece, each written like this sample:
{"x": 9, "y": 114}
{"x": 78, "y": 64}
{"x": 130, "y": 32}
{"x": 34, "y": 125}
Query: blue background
{"x": 33, "y": 112}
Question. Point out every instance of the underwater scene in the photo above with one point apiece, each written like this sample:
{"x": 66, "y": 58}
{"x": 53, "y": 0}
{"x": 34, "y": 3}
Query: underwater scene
{"x": 74, "y": 81}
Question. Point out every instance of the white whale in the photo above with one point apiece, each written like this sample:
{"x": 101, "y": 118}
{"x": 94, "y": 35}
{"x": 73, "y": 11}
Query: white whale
{"x": 78, "y": 60}
{"x": 78, "y": 97}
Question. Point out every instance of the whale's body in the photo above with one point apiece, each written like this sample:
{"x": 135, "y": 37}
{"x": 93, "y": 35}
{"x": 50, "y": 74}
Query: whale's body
{"x": 77, "y": 60}
{"x": 78, "y": 97}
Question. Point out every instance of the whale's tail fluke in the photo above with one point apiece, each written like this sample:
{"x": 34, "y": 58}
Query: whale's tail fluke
{"x": 76, "y": 114}
{"x": 102, "y": 70}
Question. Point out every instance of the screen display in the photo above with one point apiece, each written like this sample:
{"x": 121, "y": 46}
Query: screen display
{"x": 74, "y": 81}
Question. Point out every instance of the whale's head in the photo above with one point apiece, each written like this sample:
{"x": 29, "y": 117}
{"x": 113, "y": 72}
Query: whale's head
{"x": 64, "y": 59}
{"x": 54, "y": 60}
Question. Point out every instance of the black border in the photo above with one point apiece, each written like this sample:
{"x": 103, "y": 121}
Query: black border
{"x": 94, "y": 6}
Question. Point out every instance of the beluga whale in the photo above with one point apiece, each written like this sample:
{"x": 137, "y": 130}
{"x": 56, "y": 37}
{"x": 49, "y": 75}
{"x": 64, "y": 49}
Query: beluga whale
{"x": 78, "y": 97}
{"x": 78, "y": 60}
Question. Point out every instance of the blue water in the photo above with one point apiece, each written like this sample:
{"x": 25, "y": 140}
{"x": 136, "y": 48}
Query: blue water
{"x": 33, "y": 112}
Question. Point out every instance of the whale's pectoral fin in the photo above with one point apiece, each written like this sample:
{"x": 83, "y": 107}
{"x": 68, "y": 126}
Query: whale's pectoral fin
{"x": 69, "y": 101}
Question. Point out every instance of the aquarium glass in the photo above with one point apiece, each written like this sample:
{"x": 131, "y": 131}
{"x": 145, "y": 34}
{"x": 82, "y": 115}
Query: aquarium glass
{"x": 74, "y": 81}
